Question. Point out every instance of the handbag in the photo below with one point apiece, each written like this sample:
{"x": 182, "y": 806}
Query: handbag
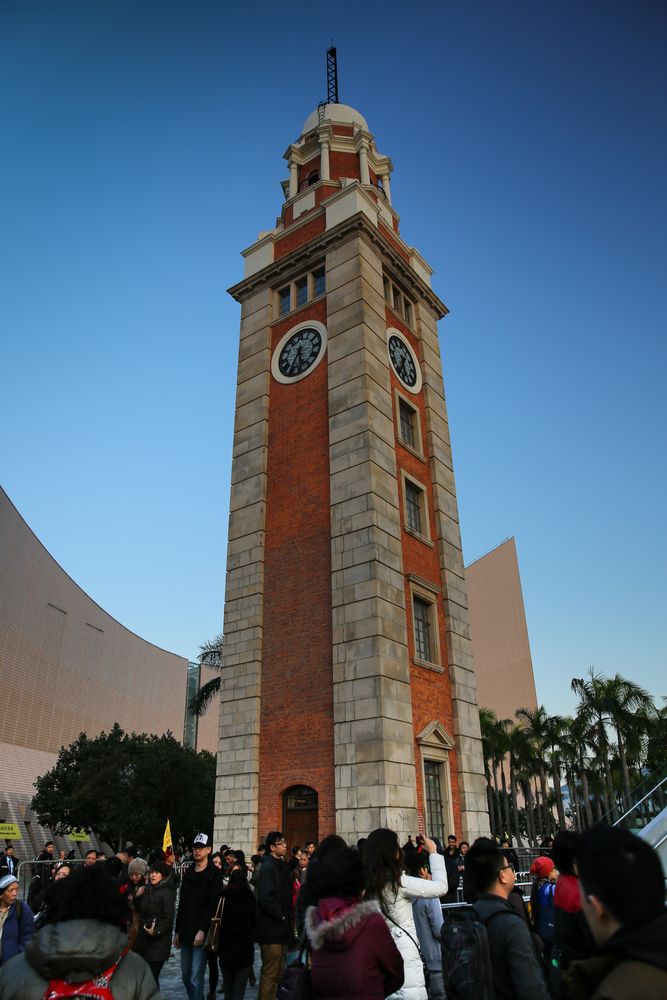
{"x": 212, "y": 939}
{"x": 295, "y": 982}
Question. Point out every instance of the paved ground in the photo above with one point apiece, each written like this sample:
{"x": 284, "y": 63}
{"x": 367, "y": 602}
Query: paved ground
{"x": 171, "y": 985}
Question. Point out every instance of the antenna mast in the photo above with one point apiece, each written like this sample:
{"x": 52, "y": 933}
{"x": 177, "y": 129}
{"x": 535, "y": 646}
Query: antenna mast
{"x": 332, "y": 76}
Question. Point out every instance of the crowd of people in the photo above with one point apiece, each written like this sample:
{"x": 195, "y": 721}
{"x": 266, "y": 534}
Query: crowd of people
{"x": 369, "y": 921}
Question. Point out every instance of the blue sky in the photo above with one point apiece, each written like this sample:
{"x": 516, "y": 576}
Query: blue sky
{"x": 142, "y": 151}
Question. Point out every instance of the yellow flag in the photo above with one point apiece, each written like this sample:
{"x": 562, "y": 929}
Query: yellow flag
{"x": 166, "y": 840}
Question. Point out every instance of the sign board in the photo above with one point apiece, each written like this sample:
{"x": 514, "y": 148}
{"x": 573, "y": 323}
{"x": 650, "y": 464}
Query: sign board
{"x": 10, "y": 831}
{"x": 78, "y": 835}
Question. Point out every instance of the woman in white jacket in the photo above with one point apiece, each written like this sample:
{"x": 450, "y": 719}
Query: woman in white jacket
{"x": 394, "y": 890}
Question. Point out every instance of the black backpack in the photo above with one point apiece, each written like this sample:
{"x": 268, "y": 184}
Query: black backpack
{"x": 466, "y": 957}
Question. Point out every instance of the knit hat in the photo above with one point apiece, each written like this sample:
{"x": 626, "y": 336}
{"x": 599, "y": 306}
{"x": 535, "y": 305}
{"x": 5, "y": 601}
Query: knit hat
{"x": 137, "y": 866}
{"x": 6, "y": 881}
{"x": 542, "y": 867}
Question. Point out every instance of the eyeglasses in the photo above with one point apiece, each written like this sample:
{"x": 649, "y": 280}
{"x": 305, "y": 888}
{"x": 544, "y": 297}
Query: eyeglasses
{"x": 505, "y": 867}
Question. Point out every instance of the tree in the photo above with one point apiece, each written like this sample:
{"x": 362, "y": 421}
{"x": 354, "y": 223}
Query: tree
{"x": 594, "y": 706}
{"x": 126, "y": 787}
{"x": 210, "y": 655}
{"x": 536, "y": 726}
{"x": 629, "y": 707}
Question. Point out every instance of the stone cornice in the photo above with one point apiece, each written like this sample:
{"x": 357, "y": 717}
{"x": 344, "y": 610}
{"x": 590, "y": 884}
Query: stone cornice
{"x": 302, "y": 257}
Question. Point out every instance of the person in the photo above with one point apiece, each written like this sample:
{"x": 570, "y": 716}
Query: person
{"x": 395, "y": 891}
{"x": 117, "y": 866}
{"x": 454, "y": 867}
{"x": 90, "y": 858}
{"x": 308, "y": 894}
{"x": 8, "y": 863}
{"x": 572, "y": 937}
{"x": 542, "y": 892}
{"x": 622, "y": 888}
{"x": 274, "y": 914}
{"x": 41, "y": 876}
{"x": 427, "y": 915}
{"x": 353, "y": 952}
{"x": 517, "y": 973}
{"x": 156, "y": 907}
{"x": 257, "y": 864}
{"x": 17, "y": 924}
{"x": 200, "y": 892}
{"x": 237, "y": 932}
{"x": 82, "y": 938}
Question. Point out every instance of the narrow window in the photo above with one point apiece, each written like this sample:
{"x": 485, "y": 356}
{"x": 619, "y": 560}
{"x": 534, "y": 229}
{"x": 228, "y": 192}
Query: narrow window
{"x": 432, "y": 771}
{"x": 387, "y": 287}
{"x": 301, "y": 292}
{"x": 284, "y": 295}
{"x": 422, "y": 616}
{"x": 407, "y": 422}
{"x": 413, "y": 503}
{"x": 319, "y": 282}
{"x": 397, "y": 299}
{"x": 408, "y": 311}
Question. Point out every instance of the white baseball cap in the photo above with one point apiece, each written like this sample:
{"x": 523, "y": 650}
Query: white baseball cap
{"x": 201, "y": 840}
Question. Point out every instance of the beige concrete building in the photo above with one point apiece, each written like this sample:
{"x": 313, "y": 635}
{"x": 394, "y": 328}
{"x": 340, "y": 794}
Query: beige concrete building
{"x": 66, "y": 666}
{"x": 503, "y": 663}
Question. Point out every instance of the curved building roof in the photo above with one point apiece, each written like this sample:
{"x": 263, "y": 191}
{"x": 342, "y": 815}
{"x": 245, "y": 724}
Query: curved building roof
{"x": 343, "y": 114}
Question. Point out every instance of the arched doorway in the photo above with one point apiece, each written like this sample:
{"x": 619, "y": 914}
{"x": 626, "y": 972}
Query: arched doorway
{"x": 300, "y": 815}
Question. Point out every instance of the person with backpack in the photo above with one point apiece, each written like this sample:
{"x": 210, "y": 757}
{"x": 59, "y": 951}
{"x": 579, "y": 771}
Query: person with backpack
{"x": 488, "y": 951}
{"x": 82, "y": 947}
{"x": 542, "y": 914}
{"x": 17, "y": 925}
{"x": 395, "y": 891}
{"x": 428, "y": 923}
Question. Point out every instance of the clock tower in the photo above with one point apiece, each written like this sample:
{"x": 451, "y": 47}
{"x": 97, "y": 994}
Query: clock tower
{"x": 348, "y": 695}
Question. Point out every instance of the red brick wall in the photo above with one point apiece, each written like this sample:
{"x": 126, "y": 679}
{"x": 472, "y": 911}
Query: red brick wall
{"x": 297, "y": 690}
{"x": 391, "y": 239}
{"x": 344, "y": 165}
{"x": 307, "y": 168}
{"x": 431, "y": 692}
{"x": 343, "y": 130}
{"x": 300, "y": 236}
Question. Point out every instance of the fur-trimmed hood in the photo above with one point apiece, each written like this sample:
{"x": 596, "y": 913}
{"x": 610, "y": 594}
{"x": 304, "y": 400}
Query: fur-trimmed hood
{"x": 335, "y": 922}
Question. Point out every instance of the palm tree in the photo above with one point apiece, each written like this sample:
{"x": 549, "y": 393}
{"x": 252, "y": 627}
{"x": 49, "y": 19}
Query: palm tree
{"x": 210, "y": 655}
{"x": 554, "y": 732}
{"x": 628, "y": 706}
{"x": 536, "y": 721}
{"x": 490, "y": 743}
{"x": 594, "y": 707}
{"x": 516, "y": 740}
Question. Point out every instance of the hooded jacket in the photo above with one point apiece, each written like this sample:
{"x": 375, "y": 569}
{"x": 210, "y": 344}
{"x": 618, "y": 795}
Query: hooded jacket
{"x": 632, "y": 963}
{"x": 76, "y": 950}
{"x": 353, "y": 954}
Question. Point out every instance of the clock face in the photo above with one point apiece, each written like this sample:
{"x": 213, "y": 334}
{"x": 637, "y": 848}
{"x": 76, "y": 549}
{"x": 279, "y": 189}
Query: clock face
{"x": 404, "y": 362}
{"x": 298, "y": 352}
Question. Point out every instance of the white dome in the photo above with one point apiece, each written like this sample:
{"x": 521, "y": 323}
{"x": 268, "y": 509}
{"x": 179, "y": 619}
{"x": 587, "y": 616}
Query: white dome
{"x": 340, "y": 113}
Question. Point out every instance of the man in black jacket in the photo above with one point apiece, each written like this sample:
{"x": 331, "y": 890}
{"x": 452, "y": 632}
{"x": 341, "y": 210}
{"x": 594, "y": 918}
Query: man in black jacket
{"x": 516, "y": 970}
{"x": 201, "y": 887}
{"x": 274, "y": 914}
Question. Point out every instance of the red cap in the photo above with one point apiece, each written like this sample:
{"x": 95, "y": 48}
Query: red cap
{"x": 542, "y": 867}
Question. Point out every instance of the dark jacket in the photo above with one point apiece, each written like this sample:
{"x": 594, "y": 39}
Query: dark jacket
{"x": 200, "y": 892}
{"x": 353, "y": 952}
{"x": 16, "y": 932}
{"x": 632, "y": 964}
{"x": 274, "y": 902}
{"x": 237, "y": 927}
{"x": 572, "y": 937}
{"x": 156, "y": 903}
{"x": 516, "y": 969}
{"x": 78, "y": 950}
{"x": 452, "y": 862}
{"x": 8, "y": 864}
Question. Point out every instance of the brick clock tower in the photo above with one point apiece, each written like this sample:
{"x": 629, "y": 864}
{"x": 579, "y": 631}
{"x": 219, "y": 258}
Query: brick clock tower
{"x": 348, "y": 695}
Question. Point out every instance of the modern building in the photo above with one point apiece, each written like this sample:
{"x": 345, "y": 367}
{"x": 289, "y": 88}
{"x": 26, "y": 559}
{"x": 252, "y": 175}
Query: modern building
{"x": 68, "y": 667}
{"x": 503, "y": 664}
{"x": 348, "y": 695}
